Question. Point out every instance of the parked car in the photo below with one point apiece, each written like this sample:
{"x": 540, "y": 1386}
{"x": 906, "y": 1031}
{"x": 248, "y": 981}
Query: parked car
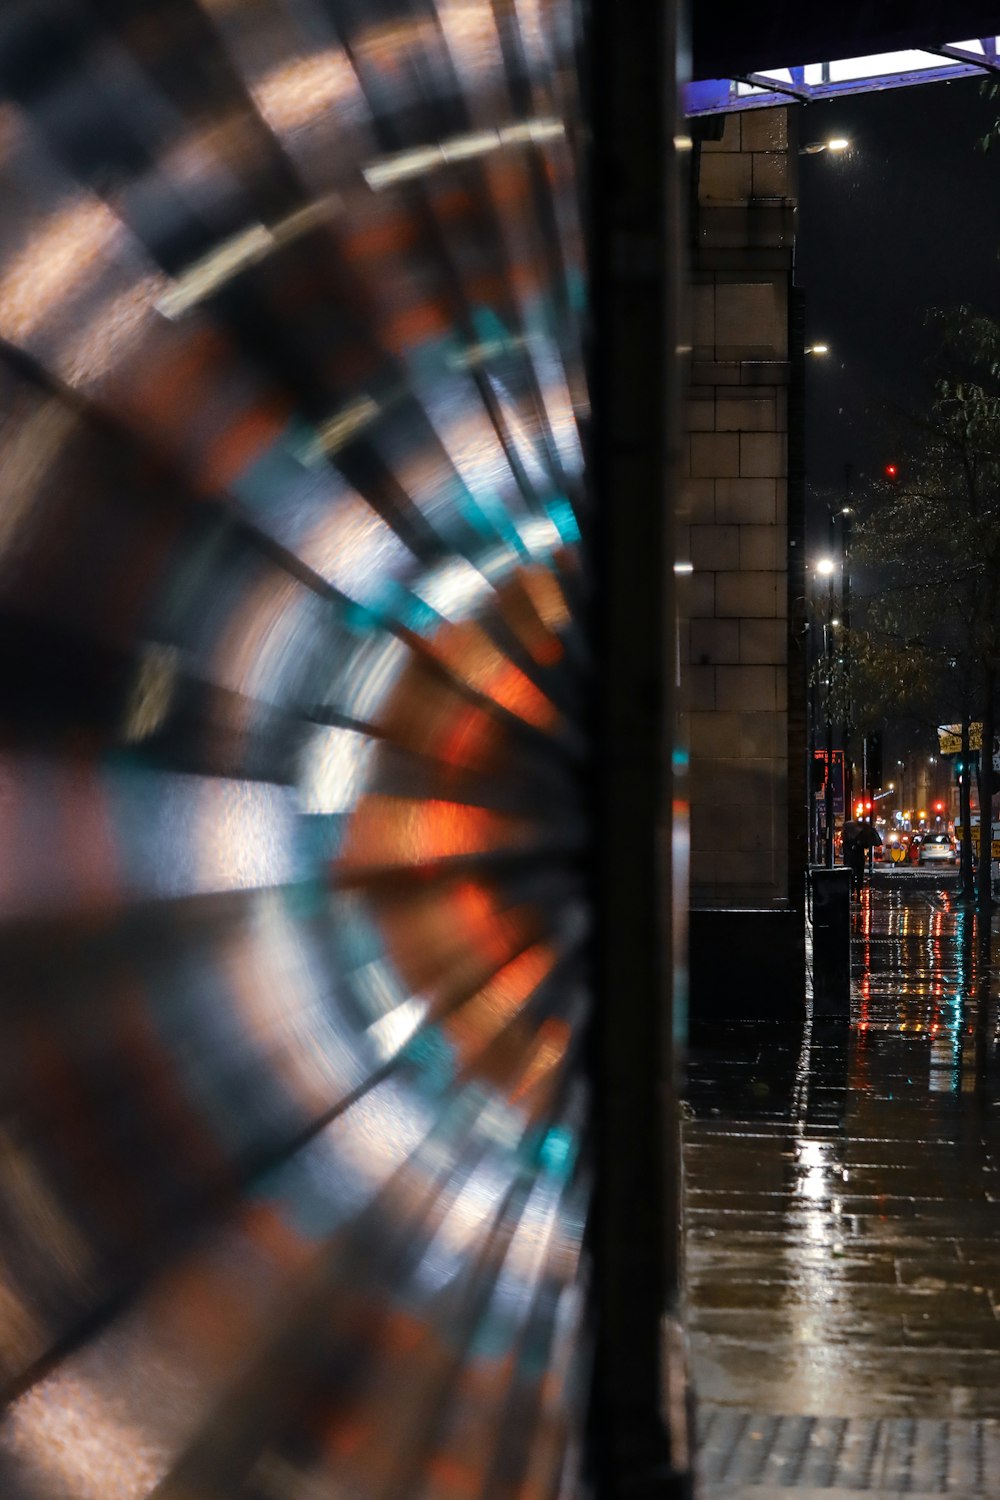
{"x": 938, "y": 849}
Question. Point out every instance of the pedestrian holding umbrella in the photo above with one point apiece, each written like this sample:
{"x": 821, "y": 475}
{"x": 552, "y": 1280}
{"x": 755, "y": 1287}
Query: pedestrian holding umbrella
{"x": 859, "y": 837}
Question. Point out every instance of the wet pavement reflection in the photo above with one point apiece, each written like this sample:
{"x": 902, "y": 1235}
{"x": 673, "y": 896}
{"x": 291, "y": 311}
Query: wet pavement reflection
{"x": 843, "y": 1262}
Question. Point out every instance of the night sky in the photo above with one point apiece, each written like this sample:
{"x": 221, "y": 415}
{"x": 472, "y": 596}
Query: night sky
{"x": 909, "y": 218}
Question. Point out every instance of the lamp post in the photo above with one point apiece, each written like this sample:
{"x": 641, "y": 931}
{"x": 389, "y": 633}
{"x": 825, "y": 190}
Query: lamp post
{"x": 826, "y": 568}
{"x": 834, "y": 144}
{"x": 846, "y": 517}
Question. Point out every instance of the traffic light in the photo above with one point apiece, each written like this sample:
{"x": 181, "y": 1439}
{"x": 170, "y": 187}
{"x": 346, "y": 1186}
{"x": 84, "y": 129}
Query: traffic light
{"x": 891, "y": 472}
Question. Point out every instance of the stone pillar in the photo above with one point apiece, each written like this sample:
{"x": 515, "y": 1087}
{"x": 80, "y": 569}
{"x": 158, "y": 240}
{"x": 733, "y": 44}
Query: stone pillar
{"x": 735, "y": 643}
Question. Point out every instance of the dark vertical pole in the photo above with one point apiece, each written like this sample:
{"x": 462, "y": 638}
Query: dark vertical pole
{"x": 813, "y": 801}
{"x": 966, "y": 879}
{"x": 864, "y": 791}
{"x": 847, "y": 516}
{"x": 640, "y": 1446}
{"x": 830, "y": 661}
{"x": 828, "y": 800}
{"x": 984, "y": 890}
{"x": 801, "y": 730}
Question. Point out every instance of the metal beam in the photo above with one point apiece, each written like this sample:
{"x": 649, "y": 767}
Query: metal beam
{"x": 803, "y": 93}
{"x": 987, "y": 63}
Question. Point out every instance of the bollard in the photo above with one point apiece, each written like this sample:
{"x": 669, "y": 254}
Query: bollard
{"x": 831, "y": 911}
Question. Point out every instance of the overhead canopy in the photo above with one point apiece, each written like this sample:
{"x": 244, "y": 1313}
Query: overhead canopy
{"x": 746, "y": 58}
{"x": 729, "y": 38}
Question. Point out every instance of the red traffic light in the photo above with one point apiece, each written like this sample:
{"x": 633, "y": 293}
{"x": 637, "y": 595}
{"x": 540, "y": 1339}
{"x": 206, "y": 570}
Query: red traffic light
{"x": 891, "y": 471}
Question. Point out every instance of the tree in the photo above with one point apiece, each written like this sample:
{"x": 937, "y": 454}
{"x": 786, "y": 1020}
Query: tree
{"x": 931, "y": 535}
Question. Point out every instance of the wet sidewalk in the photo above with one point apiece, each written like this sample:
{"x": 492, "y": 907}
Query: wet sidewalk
{"x": 843, "y": 1258}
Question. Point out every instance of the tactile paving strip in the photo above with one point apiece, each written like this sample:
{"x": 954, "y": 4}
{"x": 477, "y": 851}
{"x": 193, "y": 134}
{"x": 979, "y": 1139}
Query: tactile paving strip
{"x": 899, "y": 1455}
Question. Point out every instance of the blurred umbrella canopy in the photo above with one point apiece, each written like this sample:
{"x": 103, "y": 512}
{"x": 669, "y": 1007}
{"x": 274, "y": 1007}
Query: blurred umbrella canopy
{"x": 292, "y": 770}
{"x": 865, "y": 834}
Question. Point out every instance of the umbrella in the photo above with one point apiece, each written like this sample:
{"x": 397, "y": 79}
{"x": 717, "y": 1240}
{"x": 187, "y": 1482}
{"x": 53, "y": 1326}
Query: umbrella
{"x": 865, "y": 834}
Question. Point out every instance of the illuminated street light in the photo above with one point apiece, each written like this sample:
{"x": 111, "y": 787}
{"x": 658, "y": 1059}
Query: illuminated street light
{"x": 835, "y": 143}
{"x": 817, "y": 349}
{"x": 825, "y": 566}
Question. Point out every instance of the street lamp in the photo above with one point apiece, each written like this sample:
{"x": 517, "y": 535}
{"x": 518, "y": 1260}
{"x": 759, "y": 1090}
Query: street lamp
{"x": 817, "y": 349}
{"x": 834, "y": 144}
{"x": 826, "y": 567}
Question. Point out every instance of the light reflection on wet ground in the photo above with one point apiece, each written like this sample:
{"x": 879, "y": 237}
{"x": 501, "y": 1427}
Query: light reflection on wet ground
{"x": 841, "y": 1207}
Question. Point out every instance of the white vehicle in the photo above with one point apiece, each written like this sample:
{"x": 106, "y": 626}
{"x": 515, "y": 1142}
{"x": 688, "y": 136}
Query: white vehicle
{"x": 938, "y": 849}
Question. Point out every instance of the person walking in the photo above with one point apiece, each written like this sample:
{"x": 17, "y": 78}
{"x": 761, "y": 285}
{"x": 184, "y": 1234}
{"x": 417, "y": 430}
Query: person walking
{"x": 854, "y": 858}
{"x": 859, "y": 837}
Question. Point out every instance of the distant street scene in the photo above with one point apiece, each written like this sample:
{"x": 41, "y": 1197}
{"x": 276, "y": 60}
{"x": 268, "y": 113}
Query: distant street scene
{"x": 841, "y": 1212}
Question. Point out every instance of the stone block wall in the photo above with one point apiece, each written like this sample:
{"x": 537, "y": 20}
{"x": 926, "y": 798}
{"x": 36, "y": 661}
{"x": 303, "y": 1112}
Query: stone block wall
{"x": 734, "y": 521}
